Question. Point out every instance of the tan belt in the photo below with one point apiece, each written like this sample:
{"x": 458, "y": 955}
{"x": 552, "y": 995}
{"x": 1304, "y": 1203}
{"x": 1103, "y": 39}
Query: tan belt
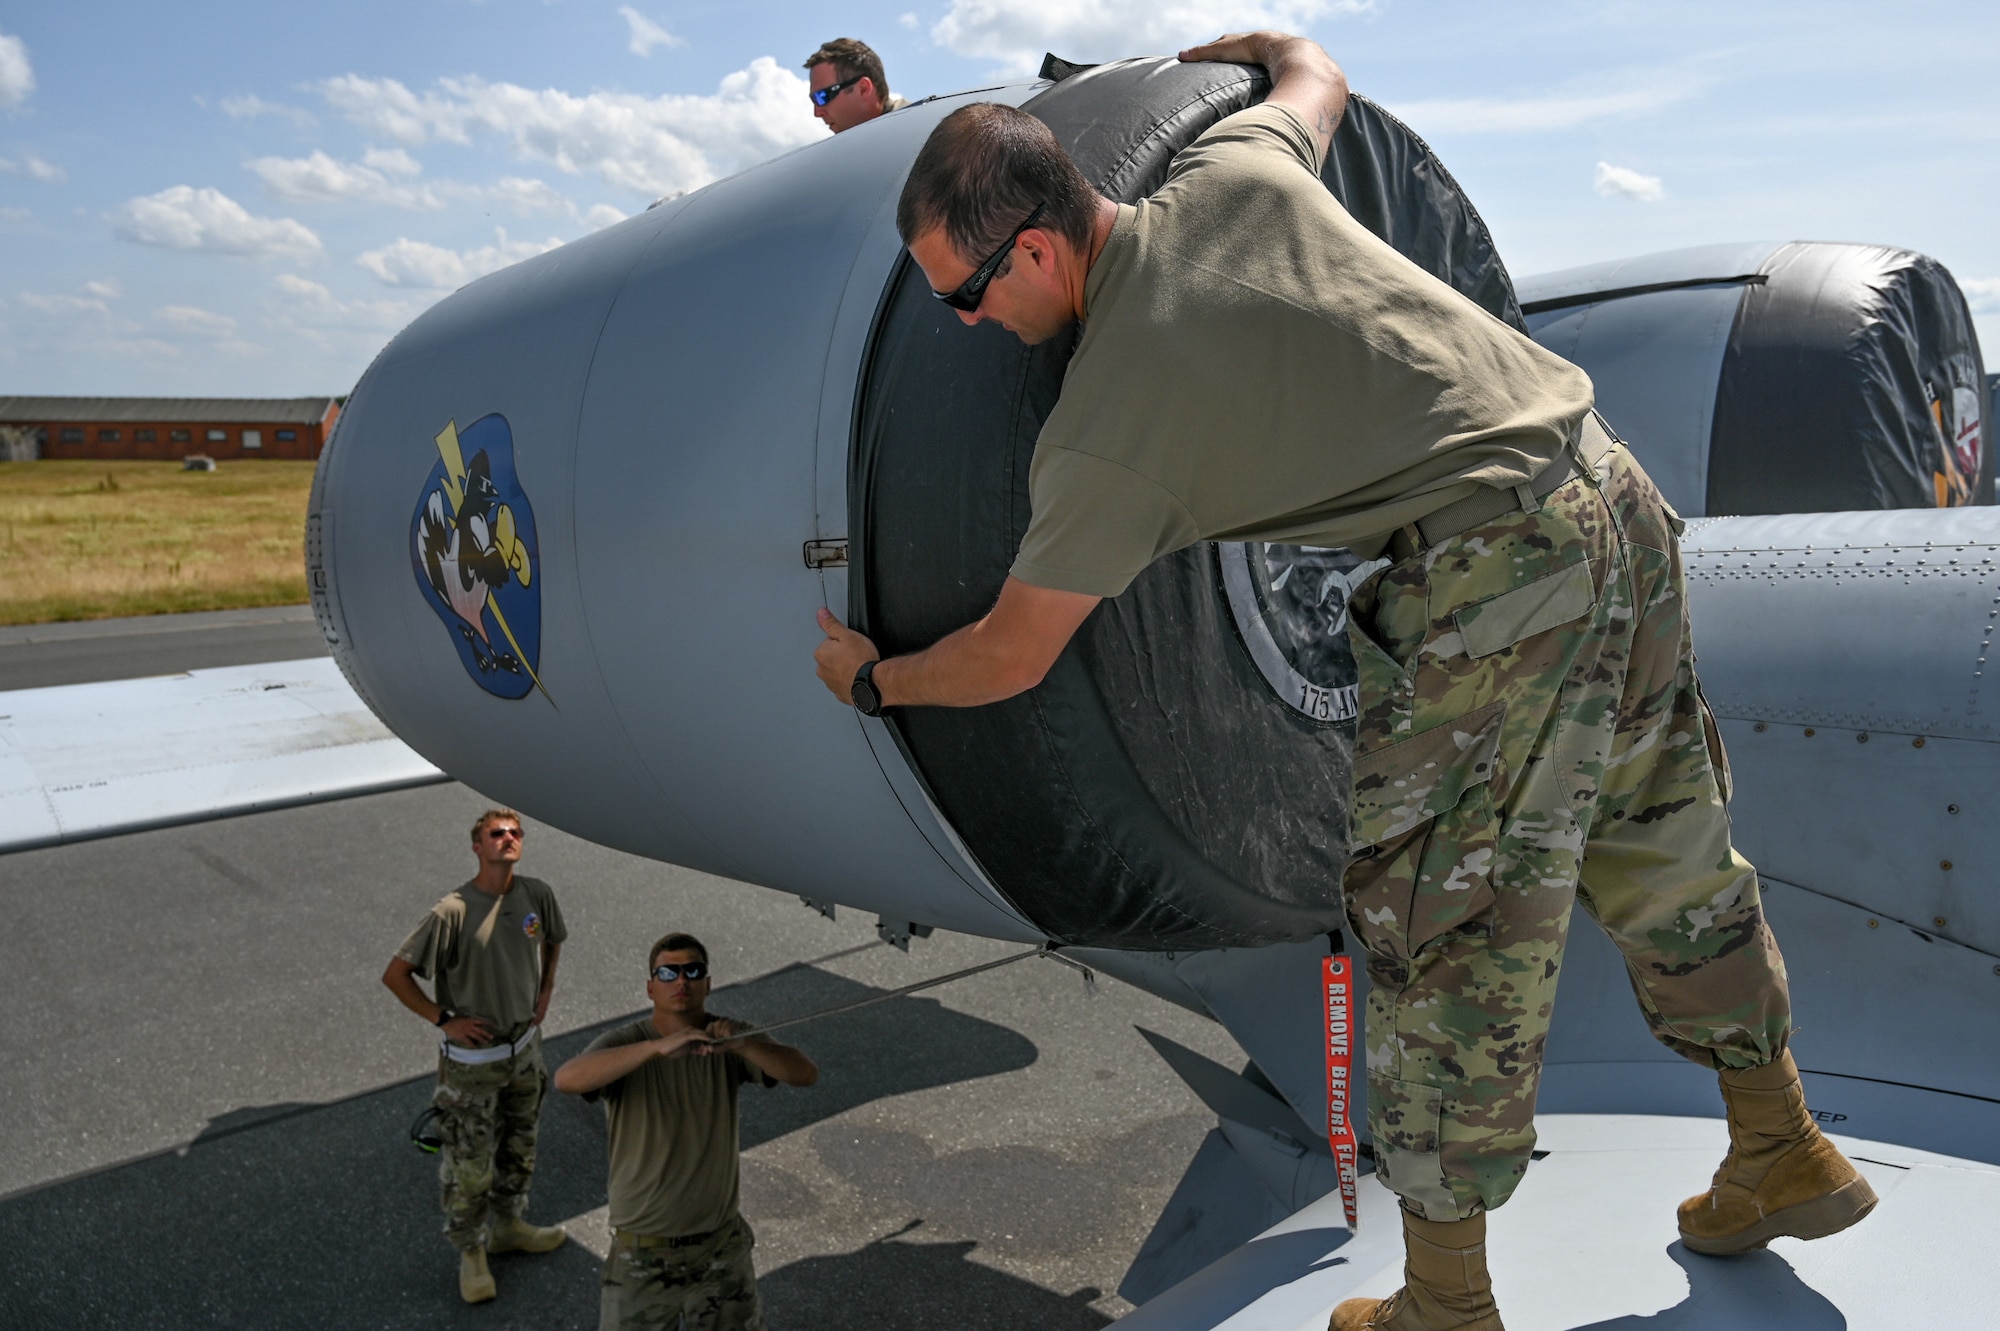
{"x": 492, "y": 1053}
{"x": 1591, "y": 443}
{"x": 651, "y": 1241}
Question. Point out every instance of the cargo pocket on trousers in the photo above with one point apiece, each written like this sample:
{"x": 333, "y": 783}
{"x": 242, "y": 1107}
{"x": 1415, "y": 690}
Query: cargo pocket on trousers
{"x": 1550, "y": 601}
{"x": 1425, "y": 832}
{"x": 1406, "y": 1120}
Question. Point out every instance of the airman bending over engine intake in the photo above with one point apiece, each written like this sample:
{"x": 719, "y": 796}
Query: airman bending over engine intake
{"x": 1254, "y": 365}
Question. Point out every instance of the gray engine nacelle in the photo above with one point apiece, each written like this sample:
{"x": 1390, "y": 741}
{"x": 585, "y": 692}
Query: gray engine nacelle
{"x": 559, "y": 543}
{"x": 571, "y": 536}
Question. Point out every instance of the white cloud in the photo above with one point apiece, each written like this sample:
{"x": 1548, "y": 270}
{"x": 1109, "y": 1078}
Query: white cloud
{"x": 649, "y": 145}
{"x": 253, "y": 108}
{"x": 207, "y": 221}
{"x": 414, "y": 263}
{"x": 1527, "y": 115}
{"x": 66, "y": 304}
{"x": 909, "y": 21}
{"x": 525, "y": 196}
{"x": 194, "y": 321}
{"x": 646, "y": 34}
{"x": 320, "y": 177}
{"x": 105, "y": 289}
{"x": 34, "y": 166}
{"x": 1624, "y": 182}
{"x": 1015, "y": 33}
{"x": 530, "y": 196}
{"x": 17, "y": 75}
{"x": 1983, "y": 293}
{"x": 309, "y": 305}
{"x": 391, "y": 162}
{"x": 87, "y": 327}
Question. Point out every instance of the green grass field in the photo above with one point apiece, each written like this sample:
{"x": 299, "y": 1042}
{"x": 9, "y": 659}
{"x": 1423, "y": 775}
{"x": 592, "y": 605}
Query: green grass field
{"x": 90, "y": 540}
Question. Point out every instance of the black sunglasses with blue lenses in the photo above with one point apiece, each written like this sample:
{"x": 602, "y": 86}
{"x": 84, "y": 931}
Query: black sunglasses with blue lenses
{"x": 821, "y": 96}
{"x": 667, "y": 973}
{"x": 972, "y": 290}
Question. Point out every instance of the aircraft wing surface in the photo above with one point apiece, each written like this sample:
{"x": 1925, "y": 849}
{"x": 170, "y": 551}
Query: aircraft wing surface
{"x": 1588, "y": 1243}
{"x": 90, "y": 760}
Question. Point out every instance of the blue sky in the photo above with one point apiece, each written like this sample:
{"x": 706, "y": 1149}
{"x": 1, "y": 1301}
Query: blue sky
{"x": 234, "y": 198}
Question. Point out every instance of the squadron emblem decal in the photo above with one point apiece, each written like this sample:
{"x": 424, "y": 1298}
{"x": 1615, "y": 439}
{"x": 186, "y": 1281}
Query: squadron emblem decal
{"x": 472, "y": 542}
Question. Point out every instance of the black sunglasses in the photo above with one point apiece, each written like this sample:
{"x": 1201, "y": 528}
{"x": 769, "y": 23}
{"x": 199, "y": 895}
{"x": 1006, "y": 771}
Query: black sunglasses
{"x": 821, "y": 96}
{"x": 973, "y": 289}
{"x": 666, "y": 973}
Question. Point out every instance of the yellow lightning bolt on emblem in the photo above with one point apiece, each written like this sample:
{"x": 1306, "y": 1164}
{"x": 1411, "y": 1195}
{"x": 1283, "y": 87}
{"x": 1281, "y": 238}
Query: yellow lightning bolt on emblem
{"x": 516, "y": 554}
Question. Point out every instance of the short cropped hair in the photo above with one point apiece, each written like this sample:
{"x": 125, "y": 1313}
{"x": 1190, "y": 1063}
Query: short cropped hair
{"x": 675, "y": 943}
{"x": 496, "y": 815}
{"x": 852, "y": 59}
{"x": 984, "y": 169}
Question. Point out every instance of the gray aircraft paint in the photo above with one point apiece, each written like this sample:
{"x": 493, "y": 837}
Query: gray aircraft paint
{"x": 1770, "y": 378}
{"x": 1845, "y": 624}
{"x": 1844, "y": 655}
{"x": 1655, "y": 360}
{"x": 683, "y": 438}
{"x": 681, "y": 719}
{"x": 681, "y": 435}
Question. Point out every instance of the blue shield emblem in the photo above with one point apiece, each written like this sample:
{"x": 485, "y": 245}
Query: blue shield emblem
{"x": 472, "y": 542}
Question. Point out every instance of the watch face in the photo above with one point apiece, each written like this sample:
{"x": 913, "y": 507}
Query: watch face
{"x": 1290, "y": 607}
{"x": 866, "y": 699}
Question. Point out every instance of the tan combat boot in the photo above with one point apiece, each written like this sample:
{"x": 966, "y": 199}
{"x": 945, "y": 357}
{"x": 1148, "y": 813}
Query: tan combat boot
{"x": 1781, "y": 1176}
{"x": 513, "y": 1234}
{"x": 1445, "y": 1286}
{"x": 475, "y": 1282}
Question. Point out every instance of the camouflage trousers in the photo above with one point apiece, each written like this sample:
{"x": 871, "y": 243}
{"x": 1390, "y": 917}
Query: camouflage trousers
{"x": 487, "y": 1116}
{"x": 707, "y": 1286}
{"x": 1532, "y": 734}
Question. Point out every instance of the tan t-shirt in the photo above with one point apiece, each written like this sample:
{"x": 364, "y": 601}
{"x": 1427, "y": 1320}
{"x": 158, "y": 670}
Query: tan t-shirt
{"x": 1257, "y": 365}
{"x": 485, "y": 951}
{"x": 672, "y": 1125}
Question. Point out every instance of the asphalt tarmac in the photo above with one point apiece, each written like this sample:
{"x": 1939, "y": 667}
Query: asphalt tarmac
{"x": 204, "y": 1118}
{"x": 34, "y": 656}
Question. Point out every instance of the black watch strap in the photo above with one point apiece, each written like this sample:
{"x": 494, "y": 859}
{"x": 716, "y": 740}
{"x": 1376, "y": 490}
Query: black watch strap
{"x": 445, "y": 1014}
{"x": 866, "y": 697}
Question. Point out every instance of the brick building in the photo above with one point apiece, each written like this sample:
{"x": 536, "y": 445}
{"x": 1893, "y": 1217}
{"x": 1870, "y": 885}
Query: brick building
{"x": 223, "y": 428}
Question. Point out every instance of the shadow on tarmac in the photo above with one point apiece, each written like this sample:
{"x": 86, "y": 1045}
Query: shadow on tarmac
{"x": 323, "y": 1215}
{"x": 897, "y": 1285}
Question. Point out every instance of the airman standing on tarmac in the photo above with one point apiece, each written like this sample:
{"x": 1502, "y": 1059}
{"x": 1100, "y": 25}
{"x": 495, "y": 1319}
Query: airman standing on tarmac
{"x": 491, "y": 945}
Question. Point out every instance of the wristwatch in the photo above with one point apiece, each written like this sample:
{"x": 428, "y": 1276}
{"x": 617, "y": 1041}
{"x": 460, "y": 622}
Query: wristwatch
{"x": 445, "y": 1014}
{"x": 867, "y": 698}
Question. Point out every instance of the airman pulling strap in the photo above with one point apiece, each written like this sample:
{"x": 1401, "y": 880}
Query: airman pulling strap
{"x": 1338, "y": 972}
{"x": 490, "y": 1054}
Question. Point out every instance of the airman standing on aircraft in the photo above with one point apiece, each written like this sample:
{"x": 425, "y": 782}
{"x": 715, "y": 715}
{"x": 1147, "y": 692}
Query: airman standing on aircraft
{"x": 680, "y": 1249}
{"x": 491, "y": 945}
{"x": 1254, "y": 365}
{"x": 848, "y": 85}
